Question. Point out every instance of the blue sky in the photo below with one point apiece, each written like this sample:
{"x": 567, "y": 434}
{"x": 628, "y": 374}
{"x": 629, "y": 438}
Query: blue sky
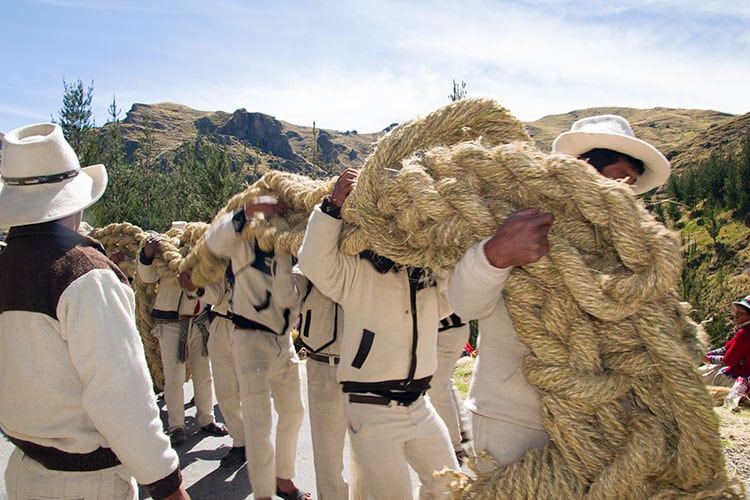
{"x": 362, "y": 64}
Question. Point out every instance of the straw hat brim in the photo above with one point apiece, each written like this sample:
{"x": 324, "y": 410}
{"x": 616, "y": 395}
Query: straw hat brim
{"x": 657, "y": 168}
{"x": 33, "y": 204}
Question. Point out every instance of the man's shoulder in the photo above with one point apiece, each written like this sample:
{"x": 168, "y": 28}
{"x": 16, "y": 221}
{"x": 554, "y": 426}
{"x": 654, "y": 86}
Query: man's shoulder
{"x": 82, "y": 259}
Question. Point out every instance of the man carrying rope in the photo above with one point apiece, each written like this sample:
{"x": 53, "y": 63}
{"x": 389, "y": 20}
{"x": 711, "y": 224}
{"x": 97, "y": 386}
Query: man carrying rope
{"x": 320, "y": 333}
{"x": 75, "y": 393}
{"x": 182, "y": 330}
{"x": 506, "y": 418}
{"x": 388, "y": 355}
{"x": 264, "y": 297}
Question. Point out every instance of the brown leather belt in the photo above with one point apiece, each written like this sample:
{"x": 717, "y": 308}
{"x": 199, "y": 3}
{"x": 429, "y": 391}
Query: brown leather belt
{"x": 372, "y": 399}
{"x": 324, "y": 358}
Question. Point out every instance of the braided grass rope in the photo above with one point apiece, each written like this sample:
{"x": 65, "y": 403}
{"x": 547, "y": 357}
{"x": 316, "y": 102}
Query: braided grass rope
{"x": 129, "y": 239}
{"x": 285, "y": 235}
{"x": 626, "y": 411}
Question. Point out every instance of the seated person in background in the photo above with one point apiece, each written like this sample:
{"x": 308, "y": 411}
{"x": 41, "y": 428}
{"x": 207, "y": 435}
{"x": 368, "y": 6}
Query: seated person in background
{"x": 732, "y": 360}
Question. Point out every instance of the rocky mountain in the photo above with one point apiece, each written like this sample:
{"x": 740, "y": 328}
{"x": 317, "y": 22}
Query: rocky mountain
{"x": 684, "y": 135}
{"x": 268, "y": 142}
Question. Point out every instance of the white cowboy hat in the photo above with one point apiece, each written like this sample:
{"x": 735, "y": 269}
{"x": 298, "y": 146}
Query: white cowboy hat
{"x": 41, "y": 179}
{"x": 614, "y": 132}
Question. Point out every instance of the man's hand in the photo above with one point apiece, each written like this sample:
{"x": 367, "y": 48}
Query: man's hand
{"x": 521, "y": 240}
{"x": 344, "y": 185}
{"x": 186, "y": 281}
{"x": 151, "y": 245}
{"x": 267, "y": 205}
{"x": 117, "y": 256}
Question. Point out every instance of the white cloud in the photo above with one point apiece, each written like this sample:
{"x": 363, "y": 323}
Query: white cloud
{"x": 362, "y": 65}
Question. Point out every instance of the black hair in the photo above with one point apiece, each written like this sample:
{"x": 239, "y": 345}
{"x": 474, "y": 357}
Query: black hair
{"x": 600, "y": 158}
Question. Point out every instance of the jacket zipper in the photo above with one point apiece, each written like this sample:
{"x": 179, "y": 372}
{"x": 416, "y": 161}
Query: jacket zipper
{"x": 413, "y": 282}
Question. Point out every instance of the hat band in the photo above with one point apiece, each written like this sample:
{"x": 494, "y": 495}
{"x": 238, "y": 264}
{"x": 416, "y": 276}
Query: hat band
{"x": 40, "y": 179}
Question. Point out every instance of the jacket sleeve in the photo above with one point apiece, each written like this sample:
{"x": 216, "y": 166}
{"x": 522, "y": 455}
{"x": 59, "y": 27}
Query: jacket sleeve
{"x": 96, "y": 314}
{"x": 738, "y": 348}
{"x": 214, "y": 293}
{"x": 475, "y": 285}
{"x": 146, "y": 270}
{"x": 284, "y": 288}
{"x": 444, "y": 308}
{"x": 221, "y": 237}
{"x": 320, "y": 259}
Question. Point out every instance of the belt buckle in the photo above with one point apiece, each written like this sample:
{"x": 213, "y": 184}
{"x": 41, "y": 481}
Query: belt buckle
{"x": 331, "y": 361}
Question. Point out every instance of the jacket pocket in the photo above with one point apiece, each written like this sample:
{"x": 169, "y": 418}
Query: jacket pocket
{"x": 365, "y": 344}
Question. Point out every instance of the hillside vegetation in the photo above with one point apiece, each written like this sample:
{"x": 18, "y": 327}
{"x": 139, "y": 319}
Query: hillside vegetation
{"x": 167, "y": 161}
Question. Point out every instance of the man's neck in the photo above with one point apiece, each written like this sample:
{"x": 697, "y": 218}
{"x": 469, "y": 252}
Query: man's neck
{"x": 72, "y": 221}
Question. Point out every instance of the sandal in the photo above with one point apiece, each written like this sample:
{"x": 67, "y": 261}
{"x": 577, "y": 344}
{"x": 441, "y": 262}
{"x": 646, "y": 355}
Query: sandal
{"x": 215, "y": 430}
{"x": 178, "y": 436}
{"x": 297, "y": 494}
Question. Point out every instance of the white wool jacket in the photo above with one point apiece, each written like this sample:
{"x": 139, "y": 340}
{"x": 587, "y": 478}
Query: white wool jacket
{"x": 321, "y": 319}
{"x": 498, "y": 388}
{"x": 73, "y": 374}
{"x": 264, "y": 293}
{"x": 171, "y": 302}
{"x": 390, "y": 327}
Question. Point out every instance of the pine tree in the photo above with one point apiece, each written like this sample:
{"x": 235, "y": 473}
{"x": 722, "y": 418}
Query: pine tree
{"x": 205, "y": 177}
{"x": 75, "y": 119}
{"x": 113, "y": 207}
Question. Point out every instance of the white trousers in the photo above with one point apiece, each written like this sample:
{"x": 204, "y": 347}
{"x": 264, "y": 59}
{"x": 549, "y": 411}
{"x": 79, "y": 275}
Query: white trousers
{"x": 450, "y": 345}
{"x": 327, "y": 404}
{"x": 387, "y": 439}
{"x": 226, "y": 386}
{"x": 268, "y": 370}
{"x": 503, "y": 440}
{"x": 28, "y": 479}
{"x": 174, "y": 374}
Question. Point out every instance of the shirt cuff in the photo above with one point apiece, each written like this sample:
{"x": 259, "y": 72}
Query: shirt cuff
{"x": 329, "y": 208}
{"x": 145, "y": 260}
{"x": 238, "y": 221}
{"x": 165, "y": 486}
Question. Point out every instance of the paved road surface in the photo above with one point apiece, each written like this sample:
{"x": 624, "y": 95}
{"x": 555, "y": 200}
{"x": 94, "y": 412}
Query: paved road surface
{"x": 199, "y": 459}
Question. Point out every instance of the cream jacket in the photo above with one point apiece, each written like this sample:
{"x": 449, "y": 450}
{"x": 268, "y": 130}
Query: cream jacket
{"x": 170, "y": 296}
{"x": 264, "y": 290}
{"x": 390, "y": 337}
{"x": 73, "y": 374}
{"x": 498, "y": 388}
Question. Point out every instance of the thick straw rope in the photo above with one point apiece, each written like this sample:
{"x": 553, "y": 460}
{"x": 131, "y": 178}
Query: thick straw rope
{"x": 129, "y": 239}
{"x": 626, "y": 411}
